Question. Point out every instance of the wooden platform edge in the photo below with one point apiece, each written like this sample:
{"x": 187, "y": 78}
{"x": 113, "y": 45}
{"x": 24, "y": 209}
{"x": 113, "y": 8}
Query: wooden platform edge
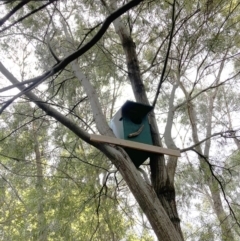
{"x": 134, "y": 145}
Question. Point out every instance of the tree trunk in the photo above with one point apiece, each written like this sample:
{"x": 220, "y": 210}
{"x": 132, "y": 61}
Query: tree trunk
{"x": 223, "y": 218}
{"x": 210, "y": 181}
{"x": 163, "y": 182}
{"x": 167, "y": 197}
{"x": 41, "y": 220}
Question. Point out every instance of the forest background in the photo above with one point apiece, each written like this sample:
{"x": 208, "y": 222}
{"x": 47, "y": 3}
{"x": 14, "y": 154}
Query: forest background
{"x": 67, "y": 67}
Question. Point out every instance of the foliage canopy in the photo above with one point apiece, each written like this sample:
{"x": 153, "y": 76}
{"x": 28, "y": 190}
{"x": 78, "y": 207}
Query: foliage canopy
{"x": 67, "y": 67}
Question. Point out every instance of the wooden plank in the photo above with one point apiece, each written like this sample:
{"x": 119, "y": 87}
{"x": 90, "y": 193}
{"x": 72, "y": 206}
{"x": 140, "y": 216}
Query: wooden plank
{"x": 135, "y": 145}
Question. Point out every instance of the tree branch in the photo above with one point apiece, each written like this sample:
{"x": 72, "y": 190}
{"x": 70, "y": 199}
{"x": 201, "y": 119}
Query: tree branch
{"x": 14, "y": 10}
{"x": 191, "y": 148}
{"x": 17, "y": 85}
{"x": 49, "y": 110}
{"x": 167, "y": 55}
{"x": 27, "y": 15}
{"x": 77, "y": 53}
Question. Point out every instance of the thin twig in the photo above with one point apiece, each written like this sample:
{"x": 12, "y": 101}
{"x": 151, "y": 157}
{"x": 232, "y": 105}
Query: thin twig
{"x": 27, "y": 15}
{"x": 167, "y": 55}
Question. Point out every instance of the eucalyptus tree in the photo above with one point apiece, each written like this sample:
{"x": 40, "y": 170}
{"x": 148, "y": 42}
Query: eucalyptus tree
{"x": 45, "y": 196}
{"x": 22, "y": 164}
{"x": 173, "y": 54}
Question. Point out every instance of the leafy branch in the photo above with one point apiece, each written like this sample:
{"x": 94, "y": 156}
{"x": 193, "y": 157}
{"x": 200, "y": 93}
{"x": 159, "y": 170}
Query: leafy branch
{"x": 220, "y": 184}
{"x": 58, "y": 67}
